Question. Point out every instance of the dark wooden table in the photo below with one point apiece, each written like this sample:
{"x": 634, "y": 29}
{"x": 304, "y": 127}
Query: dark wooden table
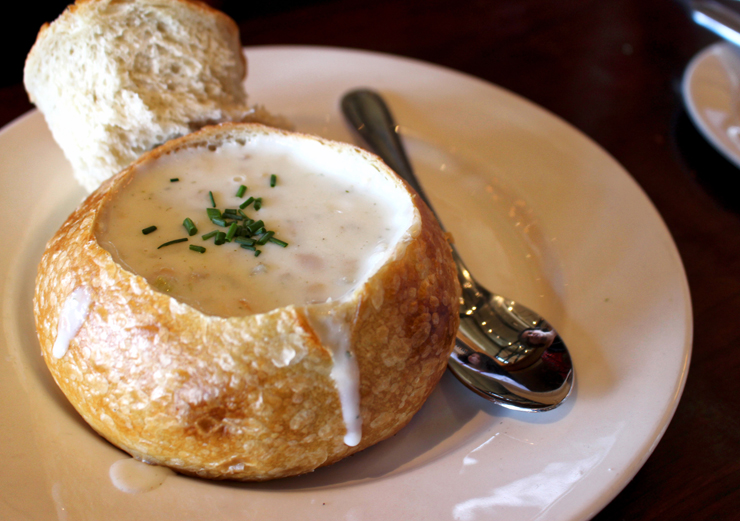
{"x": 613, "y": 70}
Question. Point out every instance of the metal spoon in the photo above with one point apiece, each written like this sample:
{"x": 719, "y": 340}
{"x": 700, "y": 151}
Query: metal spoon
{"x": 504, "y": 351}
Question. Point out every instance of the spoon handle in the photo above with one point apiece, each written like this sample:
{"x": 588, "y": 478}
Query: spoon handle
{"x": 371, "y": 118}
{"x": 368, "y": 114}
{"x": 512, "y": 365}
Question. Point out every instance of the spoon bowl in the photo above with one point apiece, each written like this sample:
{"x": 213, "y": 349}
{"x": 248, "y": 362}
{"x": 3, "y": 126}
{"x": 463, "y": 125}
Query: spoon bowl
{"x": 504, "y": 351}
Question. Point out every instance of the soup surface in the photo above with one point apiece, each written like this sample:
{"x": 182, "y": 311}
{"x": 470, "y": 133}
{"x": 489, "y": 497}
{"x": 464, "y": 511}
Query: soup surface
{"x": 334, "y": 219}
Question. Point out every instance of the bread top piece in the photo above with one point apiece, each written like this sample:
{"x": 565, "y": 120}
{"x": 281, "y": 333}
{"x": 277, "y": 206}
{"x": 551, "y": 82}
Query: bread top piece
{"x": 115, "y": 78}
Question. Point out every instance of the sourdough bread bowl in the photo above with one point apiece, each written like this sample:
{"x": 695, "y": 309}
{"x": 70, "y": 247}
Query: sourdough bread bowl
{"x": 249, "y": 395}
{"x": 115, "y": 78}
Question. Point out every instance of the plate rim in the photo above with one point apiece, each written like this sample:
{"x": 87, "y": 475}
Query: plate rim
{"x": 636, "y": 463}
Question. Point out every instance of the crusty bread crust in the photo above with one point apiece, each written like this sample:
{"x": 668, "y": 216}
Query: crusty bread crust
{"x": 205, "y": 395}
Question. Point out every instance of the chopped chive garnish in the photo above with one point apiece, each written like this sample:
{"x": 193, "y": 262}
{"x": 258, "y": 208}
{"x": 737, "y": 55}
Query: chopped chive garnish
{"x": 240, "y": 227}
{"x": 265, "y": 237}
{"x": 190, "y": 226}
{"x": 244, "y": 240}
{"x": 255, "y": 226}
{"x": 232, "y": 231}
{"x": 172, "y": 242}
{"x": 214, "y": 214}
{"x": 231, "y": 213}
{"x": 278, "y": 242}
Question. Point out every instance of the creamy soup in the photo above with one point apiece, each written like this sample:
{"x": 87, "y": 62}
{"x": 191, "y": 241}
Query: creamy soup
{"x": 334, "y": 221}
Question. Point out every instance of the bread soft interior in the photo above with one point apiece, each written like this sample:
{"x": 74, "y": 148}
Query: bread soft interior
{"x": 115, "y": 78}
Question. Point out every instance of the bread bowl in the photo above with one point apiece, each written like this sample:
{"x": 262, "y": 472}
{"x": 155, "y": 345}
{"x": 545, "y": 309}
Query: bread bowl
{"x": 253, "y": 394}
{"x": 114, "y": 79}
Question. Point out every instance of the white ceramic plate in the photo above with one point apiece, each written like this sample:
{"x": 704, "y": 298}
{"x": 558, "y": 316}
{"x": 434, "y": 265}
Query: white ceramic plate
{"x": 540, "y": 213}
{"x": 711, "y": 91}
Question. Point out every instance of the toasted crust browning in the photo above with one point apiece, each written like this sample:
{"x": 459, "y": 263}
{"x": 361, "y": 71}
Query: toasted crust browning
{"x": 215, "y": 397}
